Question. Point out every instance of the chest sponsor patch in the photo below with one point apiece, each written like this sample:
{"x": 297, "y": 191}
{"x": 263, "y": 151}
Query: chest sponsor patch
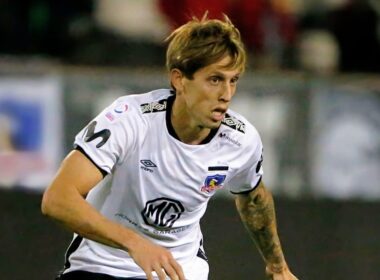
{"x": 162, "y": 212}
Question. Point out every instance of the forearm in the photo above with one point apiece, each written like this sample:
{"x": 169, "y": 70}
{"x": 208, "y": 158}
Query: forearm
{"x": 64, "y": 202}
{"x": 258, "y": 215}
{"x": 73, "y": 212}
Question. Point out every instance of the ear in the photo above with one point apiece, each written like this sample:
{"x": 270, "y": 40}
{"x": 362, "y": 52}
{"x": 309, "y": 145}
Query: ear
{"x": 176, "y": 79}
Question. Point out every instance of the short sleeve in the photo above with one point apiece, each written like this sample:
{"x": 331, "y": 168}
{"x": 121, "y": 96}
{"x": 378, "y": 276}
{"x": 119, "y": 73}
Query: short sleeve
{"x": 249, "y": 175}
{"x": 107, "y": 138}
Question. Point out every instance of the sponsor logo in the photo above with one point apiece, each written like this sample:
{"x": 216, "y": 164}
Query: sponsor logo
{"x": 213, "y": 183}
{"x": 162, "y": 212}
{"x": 91, "y": 135}
{"x": 229, "y": 139}
{"x": 121, "y": 108}
{"x": 160, "y": 231}
{"x": 147, "y": 165}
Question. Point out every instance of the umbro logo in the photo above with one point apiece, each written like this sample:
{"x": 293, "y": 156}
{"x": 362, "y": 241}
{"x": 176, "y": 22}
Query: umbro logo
{"x": 147, "y": 164}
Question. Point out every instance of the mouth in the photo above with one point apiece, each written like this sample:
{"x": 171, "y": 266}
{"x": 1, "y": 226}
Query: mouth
{"x": 218, "y": 113}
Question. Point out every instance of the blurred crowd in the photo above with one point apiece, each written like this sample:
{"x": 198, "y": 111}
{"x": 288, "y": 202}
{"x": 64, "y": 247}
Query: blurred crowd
{"x": 319, "y": 36}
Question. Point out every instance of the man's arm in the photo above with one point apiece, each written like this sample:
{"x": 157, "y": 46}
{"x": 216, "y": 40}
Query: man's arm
{"x": 257, "y": 212}
{"x": 64, "y": 202}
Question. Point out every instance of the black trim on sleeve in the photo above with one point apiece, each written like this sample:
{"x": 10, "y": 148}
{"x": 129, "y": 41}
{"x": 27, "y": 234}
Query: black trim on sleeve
{"x": 80, "y": 149}
{"x": 247, "y": 192}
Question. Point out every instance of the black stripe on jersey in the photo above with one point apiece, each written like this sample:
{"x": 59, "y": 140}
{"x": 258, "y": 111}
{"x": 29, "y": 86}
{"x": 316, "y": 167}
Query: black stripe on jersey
{"x": 217, "y": 168}
{"x": 247, "y": 192}
{"x": 80, "y": 149}
{"x": 72, "y": 248}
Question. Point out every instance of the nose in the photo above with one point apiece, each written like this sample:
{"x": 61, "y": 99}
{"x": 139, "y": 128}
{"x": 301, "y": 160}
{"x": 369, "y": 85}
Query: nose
{"x": 227, "y": 92}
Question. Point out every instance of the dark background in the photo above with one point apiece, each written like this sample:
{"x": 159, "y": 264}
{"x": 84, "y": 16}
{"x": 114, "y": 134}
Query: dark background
{"x": 319, "y": 237}
{"x": 322, "y": 238}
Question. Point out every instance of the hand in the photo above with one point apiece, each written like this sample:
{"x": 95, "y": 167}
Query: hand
{"x": 283, "y": 274}
{"x": 151, "y": 257}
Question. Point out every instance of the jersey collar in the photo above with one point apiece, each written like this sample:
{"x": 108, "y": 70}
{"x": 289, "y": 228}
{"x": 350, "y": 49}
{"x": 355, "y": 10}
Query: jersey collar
{"x": 169, "y": 106}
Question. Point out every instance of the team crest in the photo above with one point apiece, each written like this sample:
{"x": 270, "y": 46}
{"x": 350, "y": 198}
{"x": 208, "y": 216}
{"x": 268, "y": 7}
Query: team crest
{"x": 213, "y": 183}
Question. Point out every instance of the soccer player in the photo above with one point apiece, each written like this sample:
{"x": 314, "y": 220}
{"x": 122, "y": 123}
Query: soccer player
{"x": 142, "y": 172}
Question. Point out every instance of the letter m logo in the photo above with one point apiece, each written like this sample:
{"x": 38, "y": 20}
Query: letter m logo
{"x": 92, "y": 135}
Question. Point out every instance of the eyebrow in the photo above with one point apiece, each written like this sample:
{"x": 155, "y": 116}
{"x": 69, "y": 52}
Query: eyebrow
{"x": 220, "y": 74}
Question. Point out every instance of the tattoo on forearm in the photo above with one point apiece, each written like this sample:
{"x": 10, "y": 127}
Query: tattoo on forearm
{"x": 258, "y": 216}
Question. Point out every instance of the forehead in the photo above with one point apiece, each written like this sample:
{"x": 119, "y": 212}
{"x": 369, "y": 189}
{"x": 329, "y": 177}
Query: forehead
{"x": 220, "y": 66}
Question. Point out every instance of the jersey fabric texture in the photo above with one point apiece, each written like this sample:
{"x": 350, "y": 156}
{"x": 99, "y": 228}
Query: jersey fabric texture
{"x": 157, "y": 185}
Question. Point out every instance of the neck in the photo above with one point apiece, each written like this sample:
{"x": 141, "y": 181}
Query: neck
{"x": 186, "y": 129}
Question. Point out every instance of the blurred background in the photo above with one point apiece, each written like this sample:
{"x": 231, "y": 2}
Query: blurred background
{"x": 312, "y": 89}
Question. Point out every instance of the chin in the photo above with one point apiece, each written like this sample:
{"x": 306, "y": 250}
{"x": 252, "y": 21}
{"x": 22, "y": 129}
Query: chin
{"x": 212, "y": 124}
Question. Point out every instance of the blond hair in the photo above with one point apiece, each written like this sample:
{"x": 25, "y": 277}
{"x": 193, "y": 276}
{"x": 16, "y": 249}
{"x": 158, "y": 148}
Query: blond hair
{"x": 199, "y": 43}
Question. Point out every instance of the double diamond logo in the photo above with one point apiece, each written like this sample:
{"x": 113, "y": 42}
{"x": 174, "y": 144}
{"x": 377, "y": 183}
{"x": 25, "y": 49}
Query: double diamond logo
{"x": 147, "y": 165}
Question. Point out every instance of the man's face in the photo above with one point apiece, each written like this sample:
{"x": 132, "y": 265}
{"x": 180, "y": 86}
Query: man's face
{"x": 207, "y": 96}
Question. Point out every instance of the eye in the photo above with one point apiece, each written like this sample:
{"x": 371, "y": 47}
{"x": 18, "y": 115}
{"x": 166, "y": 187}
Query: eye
{"x": 234, "y": 80}
{"x": 215, "y": 80}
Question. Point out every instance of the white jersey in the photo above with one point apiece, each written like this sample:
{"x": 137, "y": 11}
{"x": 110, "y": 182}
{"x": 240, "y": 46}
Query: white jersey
{"x": 155, "y": 184}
